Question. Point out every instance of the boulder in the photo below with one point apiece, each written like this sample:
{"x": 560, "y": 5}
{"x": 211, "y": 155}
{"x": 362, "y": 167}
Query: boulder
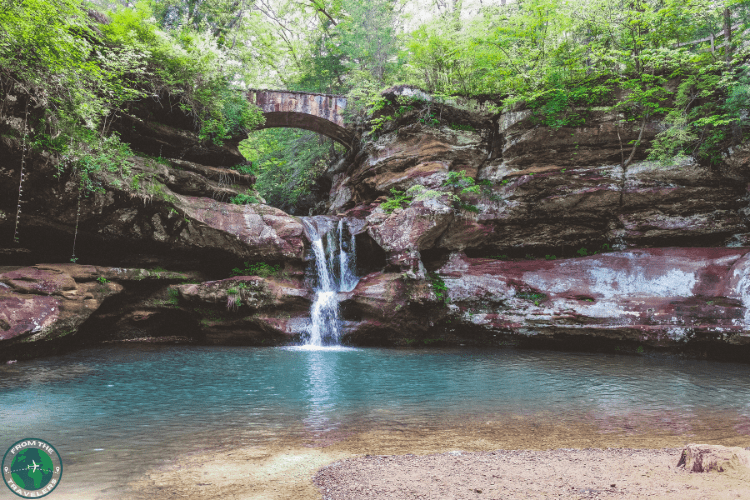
{"x": 260, "y": 231}
{"x": 43, "y": 308}
{"x": 405, "y": 232}
{"x": 249, "y": 309}
{"x": 714, "y": 458}
{"x": 388, "y": 309}
{"x": 251, "y": 291}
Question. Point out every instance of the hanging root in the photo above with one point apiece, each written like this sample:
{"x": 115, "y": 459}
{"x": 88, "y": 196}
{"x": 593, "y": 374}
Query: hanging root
{"x": 74, "y": 259}
{"x": 233, "y": 302}
{"x": 147, "y": 198}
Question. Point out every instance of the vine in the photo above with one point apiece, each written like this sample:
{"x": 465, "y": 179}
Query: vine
{"x": 16, "y": 239}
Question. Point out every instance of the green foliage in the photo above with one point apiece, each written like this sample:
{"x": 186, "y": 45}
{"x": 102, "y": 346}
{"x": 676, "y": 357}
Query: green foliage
{"x": 243, "y": 199}
{"x": 561, "y": 103}
{"x": 457, "y": 181}
{"x": 438, "y": 287}
{"x": 398, "y": 199}
{"x": 403, "y": 106}
{"x": 709, "y": 108}
{"x": 159, "y": 190}
{"x": 84, "y": 72}
{"x": 102, "y": 280}
{"x": 465, "y": 128}
{"x": 260, "y": 269}
{"x": 536, "y": 298}
{"x": 88, "y": 154}
{"x": 191, "y": 67}
{"x": 465, "y": 185}
{"x": 421, "y": 193}
{"x": 582, "y": 252}
{"x": 430, "y": 120}
{"x": 287, "y": 163}
{"x": 135, "y": 182}
{"x": 561, "y": 60}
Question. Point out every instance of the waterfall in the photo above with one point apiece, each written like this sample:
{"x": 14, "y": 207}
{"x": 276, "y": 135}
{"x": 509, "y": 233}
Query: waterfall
{"x": 335, "y": 272}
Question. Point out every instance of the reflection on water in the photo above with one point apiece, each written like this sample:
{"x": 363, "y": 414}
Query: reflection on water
{"x": 116, "y": 411}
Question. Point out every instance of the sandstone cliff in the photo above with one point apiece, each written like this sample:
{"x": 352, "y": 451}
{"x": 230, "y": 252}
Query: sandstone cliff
{"x": 558, "y": 245}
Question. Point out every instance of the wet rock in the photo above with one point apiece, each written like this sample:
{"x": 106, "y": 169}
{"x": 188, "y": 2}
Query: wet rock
{"x": 714, "y": 458}
{"x": 37, "y": 280}
{"x": 387, "y": 308}
{"x": 25, "y": 314}
{"x": 249, "y": 310}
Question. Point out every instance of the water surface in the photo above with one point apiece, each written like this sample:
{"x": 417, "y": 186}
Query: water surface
{"x": 115, "y": 412}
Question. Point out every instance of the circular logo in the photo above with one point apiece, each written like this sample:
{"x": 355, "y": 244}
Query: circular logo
{"x": 32, "y": 468}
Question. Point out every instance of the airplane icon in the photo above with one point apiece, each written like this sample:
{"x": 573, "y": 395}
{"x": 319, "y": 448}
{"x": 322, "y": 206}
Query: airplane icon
{"x": 36, "y": 466}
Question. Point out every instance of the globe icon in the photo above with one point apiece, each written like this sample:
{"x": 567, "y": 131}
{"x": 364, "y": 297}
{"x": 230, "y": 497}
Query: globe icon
{"x": 32, "y": 469}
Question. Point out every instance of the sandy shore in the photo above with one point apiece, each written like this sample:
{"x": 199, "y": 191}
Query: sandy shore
{"x": 562, "y": 473}
{"x": 559, "y": 461}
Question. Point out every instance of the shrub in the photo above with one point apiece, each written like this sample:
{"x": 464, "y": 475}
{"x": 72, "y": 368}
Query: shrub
{"x": 260, "y": 269}
{"x": 243, "y": 199}
{"x": 399, "y": 200}
{"x": 439, "y": 287}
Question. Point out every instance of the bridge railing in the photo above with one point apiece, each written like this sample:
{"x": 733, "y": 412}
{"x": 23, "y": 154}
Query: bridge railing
{"x": 337, "y": 96}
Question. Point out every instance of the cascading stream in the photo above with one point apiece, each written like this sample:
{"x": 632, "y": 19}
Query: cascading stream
{"x": 335, "y": 270}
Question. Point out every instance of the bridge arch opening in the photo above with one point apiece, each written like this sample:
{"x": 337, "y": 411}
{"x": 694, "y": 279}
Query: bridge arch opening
{"x": 291, "y": 119}
{"x": 321, "y": 113}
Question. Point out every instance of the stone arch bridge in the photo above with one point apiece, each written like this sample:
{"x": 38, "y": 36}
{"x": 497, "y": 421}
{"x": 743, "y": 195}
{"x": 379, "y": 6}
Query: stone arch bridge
{"x": 321, "y": 113}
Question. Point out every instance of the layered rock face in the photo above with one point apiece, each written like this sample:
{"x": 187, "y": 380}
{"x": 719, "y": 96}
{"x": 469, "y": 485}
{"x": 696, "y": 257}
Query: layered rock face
{"x": 655, "y": 296}
{"x": 172, "y": 211}
{"x": 251, "y": 309}
{"x": 666, "y": 297}
{"x": 145, "y": 211}
{"x": 509, "y": 261}
{"x": 549, "y": 193}
{"x": 44, "y": 307}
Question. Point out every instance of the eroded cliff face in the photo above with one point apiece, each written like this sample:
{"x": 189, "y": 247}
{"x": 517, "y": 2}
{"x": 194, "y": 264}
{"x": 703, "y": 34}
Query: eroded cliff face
{"x": 511, "y": 263}
{"x": 147, "y": 212}
{"x": 549, "y": 192}
{"x": 670, "y": 266}
{"x": 143, "y": 211}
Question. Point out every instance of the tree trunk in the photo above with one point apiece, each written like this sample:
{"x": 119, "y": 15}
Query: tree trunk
{"x": 728, "y": 35}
